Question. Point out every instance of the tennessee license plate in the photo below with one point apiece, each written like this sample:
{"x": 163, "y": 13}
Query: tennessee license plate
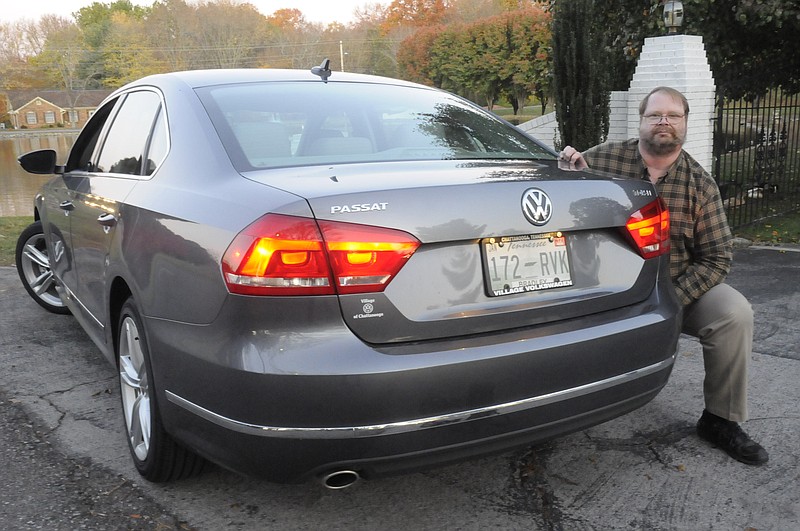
{"x": 519, "y": 264}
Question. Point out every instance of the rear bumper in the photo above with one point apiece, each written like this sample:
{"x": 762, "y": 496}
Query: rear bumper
{"x": 412, "y": 425}
{"x": 293, "y": 454}
{"x": 291, "y": 404}
{"x": 533, "y": 426}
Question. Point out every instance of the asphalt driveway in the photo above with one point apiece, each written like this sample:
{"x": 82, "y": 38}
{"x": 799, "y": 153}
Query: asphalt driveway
{"x": 68, "y": 466}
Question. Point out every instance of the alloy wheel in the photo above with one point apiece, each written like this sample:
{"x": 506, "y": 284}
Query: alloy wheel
{"x": 35, "y": 270}
{"x": 135, "y": 389}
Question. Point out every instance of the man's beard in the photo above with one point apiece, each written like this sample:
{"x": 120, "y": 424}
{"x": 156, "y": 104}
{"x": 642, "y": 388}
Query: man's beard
{"x": 659, "y": 146}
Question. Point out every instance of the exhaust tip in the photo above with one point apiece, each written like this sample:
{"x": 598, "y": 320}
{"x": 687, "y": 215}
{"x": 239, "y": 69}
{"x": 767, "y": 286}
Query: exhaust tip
{"x": 340, "y": 479}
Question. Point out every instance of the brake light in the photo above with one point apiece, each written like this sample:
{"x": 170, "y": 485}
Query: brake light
{"x": 288, "y": 255}
{"x": 649, "y": 228}
{"x": 365, "y": 258}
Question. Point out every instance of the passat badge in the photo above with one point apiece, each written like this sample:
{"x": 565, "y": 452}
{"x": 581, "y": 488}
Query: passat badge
{"x": 536, "y": 206}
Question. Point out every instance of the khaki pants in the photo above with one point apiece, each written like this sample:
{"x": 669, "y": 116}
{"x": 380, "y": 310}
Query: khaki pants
{"x": 722, "y": 320}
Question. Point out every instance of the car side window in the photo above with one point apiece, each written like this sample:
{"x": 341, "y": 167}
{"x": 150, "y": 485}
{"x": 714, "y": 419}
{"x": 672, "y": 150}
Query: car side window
{"x": 159, "y": 144}
{"x": 124, "y": 147}
{"x": 80, "y": 157}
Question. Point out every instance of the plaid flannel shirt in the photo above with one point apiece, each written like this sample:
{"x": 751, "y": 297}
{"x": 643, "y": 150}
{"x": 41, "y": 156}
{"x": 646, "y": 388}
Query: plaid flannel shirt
{"x": 700, "y": 238}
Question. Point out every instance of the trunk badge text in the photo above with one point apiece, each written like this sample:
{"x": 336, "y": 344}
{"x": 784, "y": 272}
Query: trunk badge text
{"x": 360, "y": 207}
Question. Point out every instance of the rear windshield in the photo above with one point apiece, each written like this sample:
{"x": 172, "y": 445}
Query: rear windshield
{"x": 283, "y": 124}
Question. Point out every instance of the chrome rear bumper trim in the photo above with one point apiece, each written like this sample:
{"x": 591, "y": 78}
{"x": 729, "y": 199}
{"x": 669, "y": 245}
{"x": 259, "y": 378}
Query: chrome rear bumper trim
{"x": 353, "y": 432}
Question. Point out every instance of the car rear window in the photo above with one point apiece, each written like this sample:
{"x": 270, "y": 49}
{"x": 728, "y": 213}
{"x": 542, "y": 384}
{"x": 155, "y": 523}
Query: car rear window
{"x": 283, "y": 124}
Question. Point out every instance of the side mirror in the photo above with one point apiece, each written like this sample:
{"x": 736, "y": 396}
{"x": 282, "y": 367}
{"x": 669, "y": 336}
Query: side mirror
{"x": 42, "y": 162}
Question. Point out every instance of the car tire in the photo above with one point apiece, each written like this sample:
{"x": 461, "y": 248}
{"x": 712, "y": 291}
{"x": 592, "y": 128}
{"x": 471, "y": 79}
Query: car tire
{"x": 33, "y": 265}
{"x": 156, "y": 455}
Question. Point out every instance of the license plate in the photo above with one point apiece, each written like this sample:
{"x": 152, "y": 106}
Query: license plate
{"x": 519, "y": 264}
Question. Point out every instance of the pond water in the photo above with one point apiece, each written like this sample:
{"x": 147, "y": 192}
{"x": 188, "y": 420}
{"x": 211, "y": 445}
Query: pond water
{"x": 17, "y": 187}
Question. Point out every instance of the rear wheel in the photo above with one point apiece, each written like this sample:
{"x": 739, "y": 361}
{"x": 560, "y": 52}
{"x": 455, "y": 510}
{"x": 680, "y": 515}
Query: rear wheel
{"x": 33, "y": 266}
{"x": 155, "y": 453}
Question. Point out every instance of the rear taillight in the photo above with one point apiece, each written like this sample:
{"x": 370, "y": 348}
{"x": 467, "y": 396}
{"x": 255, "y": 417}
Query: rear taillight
{"x": 649, "y": 228}
{"x": 288, "y": 255}
{"x": 365, "y": 258}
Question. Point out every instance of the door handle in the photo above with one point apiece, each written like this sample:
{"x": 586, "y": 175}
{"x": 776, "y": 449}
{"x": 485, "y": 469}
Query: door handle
{"x": 107, "y": 220}
{"x": 66, "y": 205}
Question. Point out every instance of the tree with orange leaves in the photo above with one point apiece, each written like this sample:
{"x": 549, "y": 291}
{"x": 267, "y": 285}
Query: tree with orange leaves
{"x": 507, "y": 54}
{"x": 417, "y": 13}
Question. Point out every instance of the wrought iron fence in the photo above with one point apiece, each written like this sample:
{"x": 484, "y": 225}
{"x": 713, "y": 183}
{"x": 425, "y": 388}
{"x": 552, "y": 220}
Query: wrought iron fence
{"x": 757, "y": 156}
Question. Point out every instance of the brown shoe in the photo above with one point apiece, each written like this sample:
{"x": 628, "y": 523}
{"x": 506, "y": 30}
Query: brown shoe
{"x": 728, "y": 436}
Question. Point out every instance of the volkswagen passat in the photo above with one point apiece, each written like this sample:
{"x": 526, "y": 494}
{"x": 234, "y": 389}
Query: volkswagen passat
{"x": 311, "y": 274}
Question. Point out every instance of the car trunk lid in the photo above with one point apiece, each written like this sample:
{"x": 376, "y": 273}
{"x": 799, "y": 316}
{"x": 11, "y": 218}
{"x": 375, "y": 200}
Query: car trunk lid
{"x": 488, "y": 260}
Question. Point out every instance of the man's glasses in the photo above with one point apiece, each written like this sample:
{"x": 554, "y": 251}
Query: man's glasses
{"x": 672, "y": 118}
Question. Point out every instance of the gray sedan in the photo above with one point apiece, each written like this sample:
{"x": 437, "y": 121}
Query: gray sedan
{"x": 312, "y": 274}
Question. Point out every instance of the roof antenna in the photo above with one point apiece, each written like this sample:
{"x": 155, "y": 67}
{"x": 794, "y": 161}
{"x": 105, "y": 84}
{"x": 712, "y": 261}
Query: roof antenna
{"x": 323, "y": 70}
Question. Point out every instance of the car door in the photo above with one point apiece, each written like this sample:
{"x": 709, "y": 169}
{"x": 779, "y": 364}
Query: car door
{"x": 119, "y": 162}
{"x": 58, "y": 197}
{"x": 60, "y": 200}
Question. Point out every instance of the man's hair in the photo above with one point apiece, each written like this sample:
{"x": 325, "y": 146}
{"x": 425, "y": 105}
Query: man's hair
{"x": 675, "y": 94}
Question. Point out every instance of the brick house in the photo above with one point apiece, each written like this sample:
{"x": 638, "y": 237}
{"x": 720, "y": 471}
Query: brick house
{"x": 38, "y": 109}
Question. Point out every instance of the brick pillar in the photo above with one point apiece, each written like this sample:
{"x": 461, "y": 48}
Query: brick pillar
{"x": 677, "y": 61}
{"x": 618, "y": 116}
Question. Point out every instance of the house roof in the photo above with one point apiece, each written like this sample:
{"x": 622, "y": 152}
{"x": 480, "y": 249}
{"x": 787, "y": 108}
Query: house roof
{"x": 60, "y": 98}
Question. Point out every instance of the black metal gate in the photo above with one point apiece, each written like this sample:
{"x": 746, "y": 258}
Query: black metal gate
{"x": 757, "y": 156}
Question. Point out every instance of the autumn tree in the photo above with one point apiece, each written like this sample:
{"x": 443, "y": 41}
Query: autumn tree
{"x": 506, "y": 54}
{"x": 527, "y": 68}
{"x": 60, "y": 55}
{"x": 122, "y": 41}
{"x": 294, "y": 41}
{"x": 493, "y": 48}
{"x": 168, "y": 32}
{"x": 226, "y": 33}
{"x": 126, "y": 56}
{"x": 466, "y": 11}
{"x": 107, "y": 47}
{"x": 15, "y": 50}
{"x": 95, "y": 20}
{"x": 417, "y": 13}
{"x": 453, "y": 64}
{"x": 369, "y": 50}
{"x": 415, "y": 56}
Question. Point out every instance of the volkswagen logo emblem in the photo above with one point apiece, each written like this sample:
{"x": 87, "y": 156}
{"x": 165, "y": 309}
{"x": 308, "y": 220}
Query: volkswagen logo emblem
{"x": 536, "y": 206}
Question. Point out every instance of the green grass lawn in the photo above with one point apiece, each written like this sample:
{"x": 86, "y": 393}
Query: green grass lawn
{"x": 529, "y": 112}
{"x": 9, "y": 231}
{"x": 780, "y": 229}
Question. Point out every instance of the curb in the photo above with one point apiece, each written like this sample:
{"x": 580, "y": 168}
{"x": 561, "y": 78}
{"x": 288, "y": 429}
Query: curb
{"x": 744, "y": 243}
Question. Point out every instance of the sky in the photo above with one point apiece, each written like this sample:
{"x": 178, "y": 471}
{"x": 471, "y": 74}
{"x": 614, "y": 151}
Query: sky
{"x": 323, "y": 11}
